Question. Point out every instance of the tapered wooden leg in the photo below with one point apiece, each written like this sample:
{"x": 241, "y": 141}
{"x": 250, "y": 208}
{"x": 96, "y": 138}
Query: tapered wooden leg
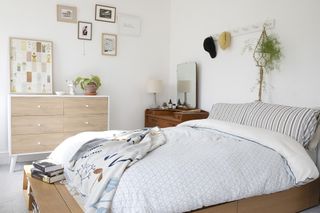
{"x": 13, "y": 163}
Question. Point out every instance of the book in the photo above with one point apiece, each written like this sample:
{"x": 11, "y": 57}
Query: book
{"x": 50, "y": 174}
{"x": 47, "y": 165}
{"x": 41, "y": 176}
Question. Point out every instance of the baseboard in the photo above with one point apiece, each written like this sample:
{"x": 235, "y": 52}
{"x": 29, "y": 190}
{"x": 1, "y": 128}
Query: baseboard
{"x": 4, "y": 158}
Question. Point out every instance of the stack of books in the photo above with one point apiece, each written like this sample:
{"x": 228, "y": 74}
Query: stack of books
{"x": 47, "y": 171}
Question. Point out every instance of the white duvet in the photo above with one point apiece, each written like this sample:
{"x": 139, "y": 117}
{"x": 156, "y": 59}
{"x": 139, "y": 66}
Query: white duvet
{"x": 203, "y": 163}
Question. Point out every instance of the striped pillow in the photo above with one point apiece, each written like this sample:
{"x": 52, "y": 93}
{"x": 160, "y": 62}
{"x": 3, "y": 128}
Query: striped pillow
{"x": 229, "y": 112}
{"x": 296, "y": 122}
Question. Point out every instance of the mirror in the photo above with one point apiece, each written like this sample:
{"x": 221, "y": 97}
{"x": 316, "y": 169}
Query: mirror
{"x": 187, "y": 84}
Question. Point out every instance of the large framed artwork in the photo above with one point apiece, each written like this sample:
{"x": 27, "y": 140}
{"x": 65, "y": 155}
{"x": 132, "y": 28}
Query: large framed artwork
{"x": 109, "y": 44}
{"x": 30, "y": 66}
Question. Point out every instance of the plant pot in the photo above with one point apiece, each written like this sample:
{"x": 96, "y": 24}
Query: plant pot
{"x": 90, "y": 89}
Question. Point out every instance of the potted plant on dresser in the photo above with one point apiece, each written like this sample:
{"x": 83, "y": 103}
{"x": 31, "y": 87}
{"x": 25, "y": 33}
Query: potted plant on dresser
{"x": 89, "y": 85}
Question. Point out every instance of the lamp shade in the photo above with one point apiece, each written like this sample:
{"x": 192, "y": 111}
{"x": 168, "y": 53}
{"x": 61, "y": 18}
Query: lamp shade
{"x": 184, "y": 86}
{"x": 154, "y": 86}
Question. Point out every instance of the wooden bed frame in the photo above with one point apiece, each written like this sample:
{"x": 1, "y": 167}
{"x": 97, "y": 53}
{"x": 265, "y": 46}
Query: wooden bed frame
{"x": 56, "y": 198}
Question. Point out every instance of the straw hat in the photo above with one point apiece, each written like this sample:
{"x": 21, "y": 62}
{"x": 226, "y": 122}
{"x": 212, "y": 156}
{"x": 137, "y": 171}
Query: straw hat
{"x": 225, "y": 40}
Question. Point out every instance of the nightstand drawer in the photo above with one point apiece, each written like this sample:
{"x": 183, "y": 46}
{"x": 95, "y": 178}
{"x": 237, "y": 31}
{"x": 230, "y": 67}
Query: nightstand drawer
{"x": 171, "y": 117}
{"x": 78, "y": 106}
{"x": 36, "y": 124}
{"x": 21, "y": 106}
{"x": 151, "y": 122}
{"x": 165, "y": 123}
{"x": 35, "y": 143}
{"x": 85, "y": 123}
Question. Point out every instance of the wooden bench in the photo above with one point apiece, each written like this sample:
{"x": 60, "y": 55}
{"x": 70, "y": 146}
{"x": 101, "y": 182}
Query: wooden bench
{"x": 49, "y": 198}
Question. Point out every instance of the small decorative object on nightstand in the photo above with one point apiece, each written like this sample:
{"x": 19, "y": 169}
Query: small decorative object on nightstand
{"x": 170, "y": 104}
{"x": 171, "y": 117}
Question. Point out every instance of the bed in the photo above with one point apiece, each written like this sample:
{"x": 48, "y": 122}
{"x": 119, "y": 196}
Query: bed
{"x": 243, "y": 158}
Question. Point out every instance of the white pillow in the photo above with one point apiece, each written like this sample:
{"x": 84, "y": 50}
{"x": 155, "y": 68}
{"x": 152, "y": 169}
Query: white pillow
{"x": 67, "y": 149}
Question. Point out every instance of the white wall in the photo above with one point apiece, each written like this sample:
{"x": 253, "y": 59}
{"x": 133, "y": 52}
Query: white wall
{"x": 231, "y": 75}
{"x": 124, "y": 76}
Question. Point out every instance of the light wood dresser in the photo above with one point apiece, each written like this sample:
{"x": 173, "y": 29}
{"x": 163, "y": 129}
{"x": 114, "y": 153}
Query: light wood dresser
{"x": 38, "y": 123}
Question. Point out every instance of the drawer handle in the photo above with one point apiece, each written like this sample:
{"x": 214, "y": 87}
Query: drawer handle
{"x": 39, "y": 125}
{"x": 39, "y": 143}
{"x": 86, "y": 122}
{"x": 39, "y": 106}
{"x": 87, "y": 106}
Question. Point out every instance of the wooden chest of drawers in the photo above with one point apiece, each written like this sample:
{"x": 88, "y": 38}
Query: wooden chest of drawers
{"x": 37, "y": 124}
{"x": 169, "y": 118}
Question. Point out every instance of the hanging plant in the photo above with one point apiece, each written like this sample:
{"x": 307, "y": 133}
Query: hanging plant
{"x": 267, "y": 55}
{"x": 272, "y": 50}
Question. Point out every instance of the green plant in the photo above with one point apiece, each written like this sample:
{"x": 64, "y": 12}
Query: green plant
{"x": 267, "y": 55}
{"x": 271, "y": 49}
{"x": 84, "y": 81}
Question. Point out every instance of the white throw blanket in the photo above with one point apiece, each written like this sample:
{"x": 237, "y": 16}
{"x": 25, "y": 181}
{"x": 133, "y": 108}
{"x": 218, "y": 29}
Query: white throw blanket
{"x": 96, "y": 168}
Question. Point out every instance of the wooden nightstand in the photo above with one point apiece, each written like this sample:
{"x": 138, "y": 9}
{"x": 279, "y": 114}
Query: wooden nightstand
{"x": 171, "y": 117}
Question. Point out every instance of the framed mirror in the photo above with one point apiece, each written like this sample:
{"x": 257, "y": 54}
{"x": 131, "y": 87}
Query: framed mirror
{"x": 187, "y": 84}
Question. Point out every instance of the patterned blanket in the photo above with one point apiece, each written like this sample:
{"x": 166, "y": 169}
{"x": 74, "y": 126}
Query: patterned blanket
{"x": 96, "y": 168}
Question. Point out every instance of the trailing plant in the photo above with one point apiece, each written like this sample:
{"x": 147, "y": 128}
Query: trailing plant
{"x": 84, "y": 81}
{"x": 271, "y": 49}
{"x": 267, "y": 55}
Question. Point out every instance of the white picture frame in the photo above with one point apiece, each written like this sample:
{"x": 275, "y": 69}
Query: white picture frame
{"x": 31, "y": 66}
{"x": 109, "y": 44}
{"x": 66, "y": 14}
{"x": 129, "y": 25}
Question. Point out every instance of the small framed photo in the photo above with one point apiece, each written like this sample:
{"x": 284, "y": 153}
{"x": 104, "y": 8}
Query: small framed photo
{"x": 109, "y": 44}
{"x": 105, "y": 13}
{"x": 66, "y": 14}
{"x": 84, "y": 30}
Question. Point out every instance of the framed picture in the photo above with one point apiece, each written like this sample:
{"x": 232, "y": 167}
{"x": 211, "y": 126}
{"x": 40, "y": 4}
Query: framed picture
{"x": 109, "y": 44}
{"x": 30, "y": 66}
{"x": 66, "y": 14}
{"x": 84, "y": 30}
{"x": 105, "y": 13}
{"x": 129, "y": 25}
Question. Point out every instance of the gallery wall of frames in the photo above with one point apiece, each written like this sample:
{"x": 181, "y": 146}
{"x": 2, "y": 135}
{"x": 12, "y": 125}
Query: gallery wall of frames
{"x": 31, "y": 59}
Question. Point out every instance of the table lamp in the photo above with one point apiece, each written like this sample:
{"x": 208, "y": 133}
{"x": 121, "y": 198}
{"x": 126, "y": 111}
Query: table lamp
{"x": 154, "y": 86}
{"x": 184, "y": 86}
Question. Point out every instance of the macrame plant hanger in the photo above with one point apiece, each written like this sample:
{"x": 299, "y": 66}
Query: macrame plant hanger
{"x": 261, "y": 60}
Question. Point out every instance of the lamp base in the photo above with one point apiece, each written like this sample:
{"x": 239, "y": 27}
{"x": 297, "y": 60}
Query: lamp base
{"x": 154, "y": 105}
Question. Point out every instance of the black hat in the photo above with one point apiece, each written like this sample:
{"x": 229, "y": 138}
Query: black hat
{"x": 210, "y": 47}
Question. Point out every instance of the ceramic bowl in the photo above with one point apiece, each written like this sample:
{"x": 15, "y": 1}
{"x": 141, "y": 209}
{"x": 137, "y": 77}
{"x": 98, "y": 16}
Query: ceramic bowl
{"x": 60, "y": 92}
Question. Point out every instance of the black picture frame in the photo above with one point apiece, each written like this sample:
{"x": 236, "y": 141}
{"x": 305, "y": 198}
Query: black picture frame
{"x": 105, "y": 13}
{"x": 82, "y": 27}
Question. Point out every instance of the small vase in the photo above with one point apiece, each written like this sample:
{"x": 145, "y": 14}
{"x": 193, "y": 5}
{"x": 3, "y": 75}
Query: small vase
{"x": 90, "y": 89}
